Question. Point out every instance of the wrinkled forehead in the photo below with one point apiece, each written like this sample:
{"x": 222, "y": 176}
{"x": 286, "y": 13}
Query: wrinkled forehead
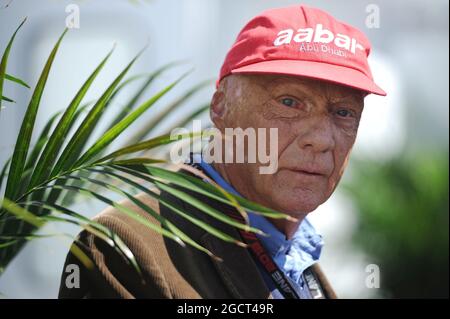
{"x": 243, "y": 84}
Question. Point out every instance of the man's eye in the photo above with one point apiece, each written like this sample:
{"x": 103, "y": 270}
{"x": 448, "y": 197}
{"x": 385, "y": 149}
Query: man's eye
{"x": 287, "y": 101}
{"x": 344, "y": 113}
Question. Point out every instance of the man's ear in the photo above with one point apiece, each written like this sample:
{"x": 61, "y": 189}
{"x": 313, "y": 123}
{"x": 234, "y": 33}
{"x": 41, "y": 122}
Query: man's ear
{"x": 218, "y": 108}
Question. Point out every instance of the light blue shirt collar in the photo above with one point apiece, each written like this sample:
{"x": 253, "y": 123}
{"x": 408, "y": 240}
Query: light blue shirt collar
{"x": 292, "y": 256}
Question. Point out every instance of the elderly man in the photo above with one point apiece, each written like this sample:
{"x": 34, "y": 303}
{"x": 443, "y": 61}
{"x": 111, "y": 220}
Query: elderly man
{"x": 298, "y": 70}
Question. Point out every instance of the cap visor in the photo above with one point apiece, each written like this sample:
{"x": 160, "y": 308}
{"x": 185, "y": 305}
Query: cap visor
{"x": 316, "y": 70}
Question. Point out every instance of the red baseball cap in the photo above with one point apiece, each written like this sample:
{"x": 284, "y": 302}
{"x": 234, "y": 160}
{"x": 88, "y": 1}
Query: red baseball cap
{"x": 302, "y": 41}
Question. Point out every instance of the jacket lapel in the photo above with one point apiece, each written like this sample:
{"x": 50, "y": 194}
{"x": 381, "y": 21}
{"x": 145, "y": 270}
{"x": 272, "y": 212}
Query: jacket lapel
{"x": 237, "y": 269}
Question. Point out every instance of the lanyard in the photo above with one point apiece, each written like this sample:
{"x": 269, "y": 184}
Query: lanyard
{"x": 259, "y": 252}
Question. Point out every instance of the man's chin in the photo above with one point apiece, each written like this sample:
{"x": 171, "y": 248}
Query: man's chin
{"x": 297, "y": 207}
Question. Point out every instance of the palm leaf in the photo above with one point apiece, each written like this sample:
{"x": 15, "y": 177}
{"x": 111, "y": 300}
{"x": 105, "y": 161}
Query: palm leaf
{"x": 3, "y": 172}
{"x": 96, "y": 228}
{"x": 16, "y": 80}
{"x": 161, "y": 184}
{"x": 54, "y": 194}
{"x": 145, "y": 145}
{"x": 26, "y": 130}
{"x": 218, "y": 233}
{"x": 4, "y": 60}
{"x": 117, "y": 129}
{"x": 21, "y": 149}
{"x": 198, "y": 186}
{"x": 127, "y": 211}
{"x": 91, "y": 226}
{"x": 59, "y": 165}
{"x": 164, "y": 222}
{"x": 7, "y": 99}
{"x": 77, "y": 141}
{"x": 133, "y": 100}
{"x": 36, "y": 150}
{"x": 150, "y": 125}
{"x": 41, "y": 141}
{"x": 46, "y": 160}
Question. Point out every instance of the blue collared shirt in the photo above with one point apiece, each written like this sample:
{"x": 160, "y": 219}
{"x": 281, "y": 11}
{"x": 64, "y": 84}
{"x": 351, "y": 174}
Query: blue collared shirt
{"x": 292, "y": 256}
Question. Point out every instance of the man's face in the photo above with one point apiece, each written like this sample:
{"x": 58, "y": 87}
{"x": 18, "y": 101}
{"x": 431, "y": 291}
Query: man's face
{"x": 317, "y": 124}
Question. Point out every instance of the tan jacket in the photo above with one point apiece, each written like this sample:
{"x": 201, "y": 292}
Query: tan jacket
{"x": 168, "y": 270}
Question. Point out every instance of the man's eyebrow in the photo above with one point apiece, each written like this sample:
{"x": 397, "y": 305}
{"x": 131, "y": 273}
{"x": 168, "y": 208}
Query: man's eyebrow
{"x": 299, "y": 84}
{"x": 354, "y": 100}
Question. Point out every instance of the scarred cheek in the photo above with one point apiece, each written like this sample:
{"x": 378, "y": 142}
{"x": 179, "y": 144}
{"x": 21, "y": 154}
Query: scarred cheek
{"x": 349, "y": 133}
{"x": 340, "y": 157}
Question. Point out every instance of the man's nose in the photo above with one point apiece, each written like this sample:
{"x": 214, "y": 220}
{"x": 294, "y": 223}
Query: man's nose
{"x": 318, "y": 135}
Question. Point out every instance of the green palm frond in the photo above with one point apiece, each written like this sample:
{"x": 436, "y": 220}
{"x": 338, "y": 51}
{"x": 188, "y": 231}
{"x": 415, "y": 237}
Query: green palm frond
{"x": 42, "y": 179}
{"x": 4, "y": 62}
{"x": 16, "y": 80}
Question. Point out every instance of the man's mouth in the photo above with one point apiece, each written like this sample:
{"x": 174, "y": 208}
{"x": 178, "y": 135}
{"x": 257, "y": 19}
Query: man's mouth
{"x": 309, "y": 172}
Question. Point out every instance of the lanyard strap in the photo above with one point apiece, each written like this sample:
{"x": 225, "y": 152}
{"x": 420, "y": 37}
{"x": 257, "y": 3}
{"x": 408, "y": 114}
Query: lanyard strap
{"x": 259, "y": 252}
{"x": 279, "y": 278}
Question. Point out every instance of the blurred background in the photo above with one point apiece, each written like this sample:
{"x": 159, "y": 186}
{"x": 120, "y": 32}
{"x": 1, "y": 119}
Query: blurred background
{"x": 389, "y": 216}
